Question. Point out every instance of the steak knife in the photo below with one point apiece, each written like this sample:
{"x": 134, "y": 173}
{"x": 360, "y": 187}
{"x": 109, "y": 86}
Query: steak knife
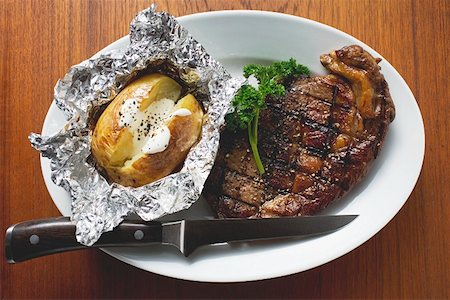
{"x": 37, "y": 238}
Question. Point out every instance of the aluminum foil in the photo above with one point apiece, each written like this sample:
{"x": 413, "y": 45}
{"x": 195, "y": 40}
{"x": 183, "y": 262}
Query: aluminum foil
{"x": 157, "y": 42}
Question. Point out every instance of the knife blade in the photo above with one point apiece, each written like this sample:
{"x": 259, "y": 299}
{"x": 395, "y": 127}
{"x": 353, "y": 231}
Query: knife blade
{"x": 37, "y": 238}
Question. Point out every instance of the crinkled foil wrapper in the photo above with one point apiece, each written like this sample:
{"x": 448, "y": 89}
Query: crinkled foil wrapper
{"x": 156, "y": 39}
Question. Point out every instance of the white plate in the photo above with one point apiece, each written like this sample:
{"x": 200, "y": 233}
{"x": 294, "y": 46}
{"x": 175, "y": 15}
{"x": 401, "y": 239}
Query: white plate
{"x": 239, "y": 37}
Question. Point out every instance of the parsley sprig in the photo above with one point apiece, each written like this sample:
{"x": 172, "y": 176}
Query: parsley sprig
{"x": 250, "y": 100}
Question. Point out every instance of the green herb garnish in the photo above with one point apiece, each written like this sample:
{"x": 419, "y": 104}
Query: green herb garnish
{"x": 250, "y": 100}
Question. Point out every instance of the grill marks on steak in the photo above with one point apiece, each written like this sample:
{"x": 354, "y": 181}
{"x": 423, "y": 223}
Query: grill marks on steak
{"x": 316, "y": 142}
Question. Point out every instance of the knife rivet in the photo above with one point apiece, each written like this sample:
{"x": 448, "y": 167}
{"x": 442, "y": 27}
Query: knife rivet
{"x": 138, "y": 235}
{"x": 34, "y": 239}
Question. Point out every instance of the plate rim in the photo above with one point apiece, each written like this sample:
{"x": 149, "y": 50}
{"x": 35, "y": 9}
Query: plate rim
{"x": 242, "y": 277}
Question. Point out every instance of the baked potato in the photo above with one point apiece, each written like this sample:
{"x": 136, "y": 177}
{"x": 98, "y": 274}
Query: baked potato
{"x": 145, "y": 133}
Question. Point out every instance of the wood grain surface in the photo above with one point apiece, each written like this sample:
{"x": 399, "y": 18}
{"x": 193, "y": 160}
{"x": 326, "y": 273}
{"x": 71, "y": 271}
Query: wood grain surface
{"x": 409, "y": 258}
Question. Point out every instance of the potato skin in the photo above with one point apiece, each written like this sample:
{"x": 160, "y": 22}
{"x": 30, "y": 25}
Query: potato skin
{"x": 113, "y": 149}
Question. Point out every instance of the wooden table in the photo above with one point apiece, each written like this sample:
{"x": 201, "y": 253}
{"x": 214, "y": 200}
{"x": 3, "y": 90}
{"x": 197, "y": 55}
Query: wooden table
{"x": 409, "y": 258}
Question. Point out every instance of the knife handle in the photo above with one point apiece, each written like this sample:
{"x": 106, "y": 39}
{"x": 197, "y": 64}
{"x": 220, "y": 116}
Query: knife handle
{"x": 37, "y": 238}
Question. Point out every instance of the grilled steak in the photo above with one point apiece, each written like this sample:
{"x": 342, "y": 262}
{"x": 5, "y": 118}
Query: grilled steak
{"x": 316, "y": 142}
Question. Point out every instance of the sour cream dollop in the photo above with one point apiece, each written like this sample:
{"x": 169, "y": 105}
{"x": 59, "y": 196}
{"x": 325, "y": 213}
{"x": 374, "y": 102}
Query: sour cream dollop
{"x": 150, "y": 134}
